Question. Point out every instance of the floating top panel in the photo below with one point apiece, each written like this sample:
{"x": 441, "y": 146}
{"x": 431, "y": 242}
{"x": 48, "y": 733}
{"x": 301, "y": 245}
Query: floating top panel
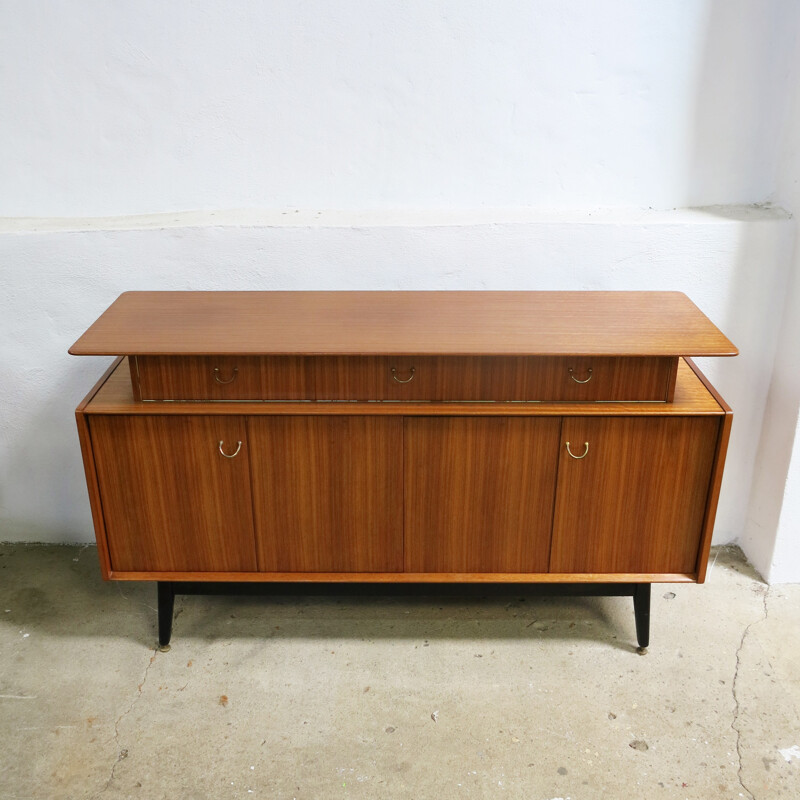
{"x": 396, "y": 323}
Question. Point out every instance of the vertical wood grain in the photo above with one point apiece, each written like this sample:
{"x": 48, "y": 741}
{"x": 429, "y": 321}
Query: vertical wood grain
{"x": 492, "y": 378}
{"x": 672, "y": 381}
{"x": 615, "y": 379}
{"x": 237, "y": 378}
{"x": 458, "y": 378}
{"x": 90, "y": 470}
{"x": 637, "y": 501}
{"x": 479, "y": 493}
{"x": 716, "y": 475}
{"x": 94, "y": 493}
{"x": 328, "y": 493}
{"x": 170, "y": 501}
{"x": 351, "y": 377}
{"x": 136, "y": 388}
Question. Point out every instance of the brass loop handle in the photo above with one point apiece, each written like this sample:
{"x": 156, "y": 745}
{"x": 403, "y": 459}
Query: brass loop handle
{"x": 230, "y": 380}
{"x": 232, "y": 455}
{"x": 572, "y": 375}
{"x": 400, "y": 380}
{"x": 585, "y": 451}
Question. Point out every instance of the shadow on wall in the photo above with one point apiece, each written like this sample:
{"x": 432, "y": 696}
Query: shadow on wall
{"x": 744, "y": 84}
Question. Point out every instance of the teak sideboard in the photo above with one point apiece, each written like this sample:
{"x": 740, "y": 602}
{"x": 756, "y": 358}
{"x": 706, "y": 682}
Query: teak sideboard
{"x": 531, "y": 437}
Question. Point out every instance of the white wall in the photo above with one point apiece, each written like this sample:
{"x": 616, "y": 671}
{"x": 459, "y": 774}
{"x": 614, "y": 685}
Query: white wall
{"x": 771, "y": 537}
{"x": 464, "y": 144}
{"x": 141, "y": 106}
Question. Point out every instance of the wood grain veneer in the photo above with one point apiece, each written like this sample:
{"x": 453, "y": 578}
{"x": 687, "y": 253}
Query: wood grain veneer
{"x": 170, "y": 501}
{"x": 90, "y": 470}
{"x": 224, "y": 378}
{"x": 328, "y": 493}
{"x": 351, "y": 378}
{"x": 479, "y": 493}
{"x": 716, "y": 475}
{"x": 396, "y": 323}
{"x": 637, "y": 501}
{"x": 492, "y": 378}
{"x": 193, "y": 377}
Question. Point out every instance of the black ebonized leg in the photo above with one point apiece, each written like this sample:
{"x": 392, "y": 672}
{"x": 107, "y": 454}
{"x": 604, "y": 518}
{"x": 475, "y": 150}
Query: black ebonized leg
{"x": 166, "y": 603}
{"x": 641, "y": 609}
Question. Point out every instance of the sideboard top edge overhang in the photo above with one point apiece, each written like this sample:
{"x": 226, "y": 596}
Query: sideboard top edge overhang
{"x": 363, "y": 323}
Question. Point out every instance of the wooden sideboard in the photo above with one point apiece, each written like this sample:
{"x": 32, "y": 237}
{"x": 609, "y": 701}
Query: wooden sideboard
{"x": 554, "y": 438}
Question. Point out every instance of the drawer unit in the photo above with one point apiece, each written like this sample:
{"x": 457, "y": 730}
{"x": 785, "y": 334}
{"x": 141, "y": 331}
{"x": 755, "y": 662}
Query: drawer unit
{"x": 406, "y": 378}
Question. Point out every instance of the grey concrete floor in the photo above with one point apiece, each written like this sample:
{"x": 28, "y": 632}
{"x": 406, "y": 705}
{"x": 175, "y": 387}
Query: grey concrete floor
{"x": 469, "y": 692}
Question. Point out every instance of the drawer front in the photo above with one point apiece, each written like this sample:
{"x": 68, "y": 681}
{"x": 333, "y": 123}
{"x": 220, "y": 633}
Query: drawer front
{"x": 587, "y": 379}
{"x": 493, "y": 378}
{"x": 421, "y": 378}
{"x": 223, "y": 378}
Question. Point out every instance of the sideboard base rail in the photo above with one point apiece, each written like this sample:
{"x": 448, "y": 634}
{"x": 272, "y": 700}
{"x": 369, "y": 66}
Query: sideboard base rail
{"x": 640, "y": 592}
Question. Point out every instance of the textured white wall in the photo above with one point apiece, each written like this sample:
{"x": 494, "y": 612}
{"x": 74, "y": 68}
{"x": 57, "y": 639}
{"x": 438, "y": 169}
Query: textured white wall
{"x": 143, "y": 106}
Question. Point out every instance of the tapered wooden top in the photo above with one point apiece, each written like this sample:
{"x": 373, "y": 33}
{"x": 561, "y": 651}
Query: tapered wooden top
{"x": 395, "y": 323}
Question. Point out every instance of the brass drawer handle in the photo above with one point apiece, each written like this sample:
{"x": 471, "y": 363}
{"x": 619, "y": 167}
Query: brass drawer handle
{"x": 400, "y": 380}
{"x": 230, "y": 380}
{"x": 232, "y": 455}
{"x": 586, "y": 450}
{"x": 572, "y": 375}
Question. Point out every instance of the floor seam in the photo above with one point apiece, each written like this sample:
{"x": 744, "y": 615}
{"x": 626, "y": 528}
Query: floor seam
{"x": 737, "y": 708}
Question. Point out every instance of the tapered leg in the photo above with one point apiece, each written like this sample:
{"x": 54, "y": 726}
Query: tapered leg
{"x": 166, "y": 603}
{"x": 641, "y": 610}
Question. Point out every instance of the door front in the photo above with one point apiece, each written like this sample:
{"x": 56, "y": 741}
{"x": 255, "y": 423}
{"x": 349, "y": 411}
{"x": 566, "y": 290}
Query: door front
{"x": 632, "y": 493}
{"x": 328, "y": 493}
{"x": 175, "y": 492}
{"x": 479, "y": 493}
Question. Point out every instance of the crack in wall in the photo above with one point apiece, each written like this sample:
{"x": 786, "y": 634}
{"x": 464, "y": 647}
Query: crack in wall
{"x": 123, "y": 754}
{"x": 737, "y": 708}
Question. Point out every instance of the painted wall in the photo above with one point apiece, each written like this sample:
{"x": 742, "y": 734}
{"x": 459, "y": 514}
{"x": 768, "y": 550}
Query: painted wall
{"x": 135, "y": 107}
{"x": 391, "y": 145}
{"x": 771, "y": 537}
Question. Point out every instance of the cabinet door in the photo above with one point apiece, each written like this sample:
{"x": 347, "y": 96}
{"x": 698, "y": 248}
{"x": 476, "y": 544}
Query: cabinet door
{"x": 171, "y": 501}
{"x": 479, "y": 493}
{"x": 637, "y": 499}
{"x": 328, "y": 493}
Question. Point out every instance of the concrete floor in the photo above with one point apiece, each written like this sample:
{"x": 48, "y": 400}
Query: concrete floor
{"x": 471, "y": 692}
